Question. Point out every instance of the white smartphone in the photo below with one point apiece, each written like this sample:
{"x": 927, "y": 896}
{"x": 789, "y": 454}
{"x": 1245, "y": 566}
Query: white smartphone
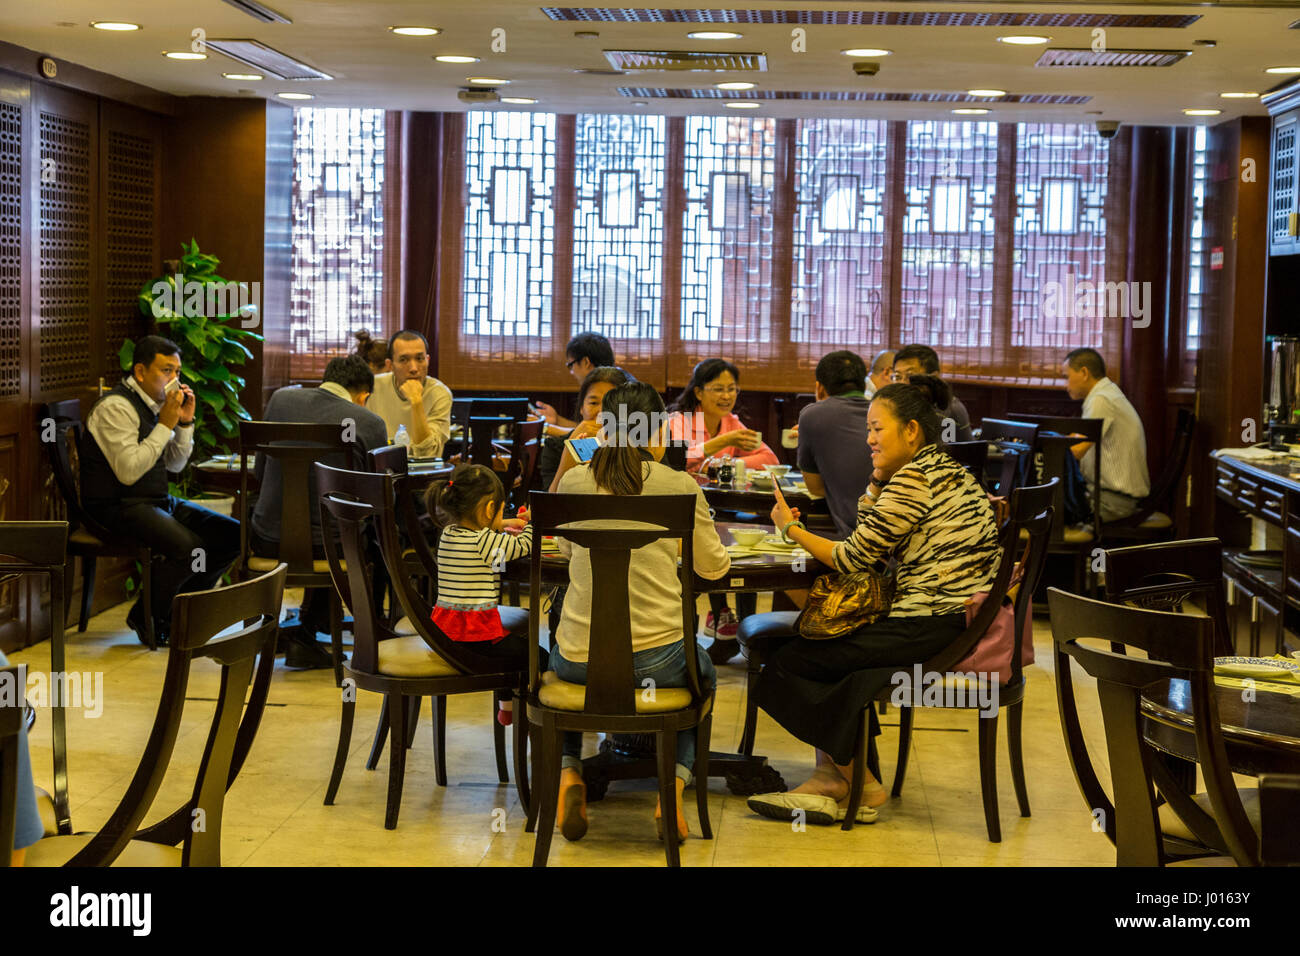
{"x": 581, "y": 448}
{"x": 171, "y": 386}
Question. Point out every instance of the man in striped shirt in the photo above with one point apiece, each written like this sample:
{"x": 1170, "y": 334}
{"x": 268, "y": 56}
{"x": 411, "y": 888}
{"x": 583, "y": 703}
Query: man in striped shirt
{"x": 1124, "y": 477}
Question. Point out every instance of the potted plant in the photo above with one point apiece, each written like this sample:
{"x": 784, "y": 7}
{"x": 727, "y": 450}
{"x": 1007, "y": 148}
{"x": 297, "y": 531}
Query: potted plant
{"x": 213, "y": 346}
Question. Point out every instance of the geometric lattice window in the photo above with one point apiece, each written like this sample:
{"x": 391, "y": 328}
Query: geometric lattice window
{"x": 1196, "y": 265}
{"x": 1060, "y": 242}
{"x": 946, "y": 286}
{"x": 338, "y": 231}
{"x": 839, "y": 232}
{"x": 509, "y": 232}
{"x": 618, "y": 227}
{"x": 727, "y": 240}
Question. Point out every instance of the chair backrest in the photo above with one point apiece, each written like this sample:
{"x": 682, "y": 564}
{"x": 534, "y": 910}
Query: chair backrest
{"x": 479, "y": 447}
{"x": 1054, "y": 451}
{"x": 611, "y": 689}
{"x": 971, "y": 455}
{"x": 1178, "y": 647}
{"x": 1032, "y": 512}
{"x": 391, "y": 458}
{"x": 1003, "y": 429}
{"x": 294, "y": 446}
{"x": 346, "y": 510}
{"x": 1015, "y": 441}
{"x": 515, "y": 409}
{"x": 13, "y": 698}
{"x": 525, "y": 453}
{"x": 65, "y": 460}
{"x": 1164, "y": 488}
{"x": 200, "y": 621}
{"x": 1279, "y": 819}
{"x": 381, "y": 493}
{"x": 1163, "y": 575}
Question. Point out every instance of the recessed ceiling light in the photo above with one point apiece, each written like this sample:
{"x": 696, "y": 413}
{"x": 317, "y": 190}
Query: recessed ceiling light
{"x": 445, "y": 58}
{"x": 486, "y": 80}
{"x": 714, "y": 35}
{"x": 116, "y": 26}
{"x": 742, "y": 105}
{"x": 1024, "y": 40}
{"x": 971, "y": 111}
{"x": 242, "y": 76}
{"x": 866, "y": 51}
{"x": 295, "y": 96}
{"x": 1238, "y": 96}
{"x": 640, "y": 103}
{"x": 184, "y": 55}
{"x": 518, "y": 100}
{"x": 1201, "y": 112}
{"x": 1283, "y": 69}
{"x": 735, "y": 85}
{"x": 585, "y": 34}
{"x": 986, "y": 92}
{"x": 416, "y": 31}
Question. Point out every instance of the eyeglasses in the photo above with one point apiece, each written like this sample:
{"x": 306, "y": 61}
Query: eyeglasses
{"x": 568, "y": 366}
{"x": 413, "y": 359}
{"x": 723, "y": 389}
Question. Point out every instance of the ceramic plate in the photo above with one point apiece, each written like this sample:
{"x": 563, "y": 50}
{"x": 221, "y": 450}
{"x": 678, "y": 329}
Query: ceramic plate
{"x": 775, "y": 541}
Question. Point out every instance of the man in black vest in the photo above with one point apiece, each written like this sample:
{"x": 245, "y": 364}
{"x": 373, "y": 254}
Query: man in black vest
{"x": 135, "y": 435}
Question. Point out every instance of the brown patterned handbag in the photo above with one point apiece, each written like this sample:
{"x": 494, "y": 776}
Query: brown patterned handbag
{"x": 839, "y": 604}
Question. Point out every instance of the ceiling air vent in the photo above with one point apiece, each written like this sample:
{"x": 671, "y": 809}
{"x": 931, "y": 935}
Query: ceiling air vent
{"x": 587, "y": 71}
{"x": 256, "y": 10}
{"x": 1085, "y": 57}
{"x": 268, "y": 60}
{"x": 479, "y": 95}
{"x": 640, "y": 61}
{"x": 874, "y": 18}
{"x": 853, "y": 96}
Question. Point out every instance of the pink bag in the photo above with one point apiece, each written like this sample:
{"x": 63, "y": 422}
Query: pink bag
{"x": 992, "y": 653}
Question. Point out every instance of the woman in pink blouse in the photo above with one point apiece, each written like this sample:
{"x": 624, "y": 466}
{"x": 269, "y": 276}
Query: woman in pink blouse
{"x": 703, "y": 416}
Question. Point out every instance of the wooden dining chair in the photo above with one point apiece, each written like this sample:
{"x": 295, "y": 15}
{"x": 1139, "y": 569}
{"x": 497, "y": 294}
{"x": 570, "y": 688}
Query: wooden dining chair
{"x": 1015, "y": 442}
{"x": 525, "y": 452}
{"x": 88, "y": 540}
{"x": 41, "y": 548}
{"x": 971, "y": 455}
{"x": 403, "y": 668}
{"x": 11, "y": 725}
{"x": 1177, "y": 647}
{"x": 1164, "y": 575}
{"x": 1279, "y": 811}
{"x": 202, "y": 626}
{"x": 1153, "y": 521}
{"x": 611, "y": 701}
{"x": 295, "y": 446}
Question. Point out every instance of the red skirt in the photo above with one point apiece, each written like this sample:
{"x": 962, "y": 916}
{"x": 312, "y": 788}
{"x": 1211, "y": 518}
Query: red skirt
{"x": 469, "y": 626}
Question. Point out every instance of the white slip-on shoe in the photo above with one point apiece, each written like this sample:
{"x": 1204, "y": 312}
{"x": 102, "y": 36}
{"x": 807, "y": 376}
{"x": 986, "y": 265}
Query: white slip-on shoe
{"x": 866, "y": 814}
{"x": 795, "y": 807}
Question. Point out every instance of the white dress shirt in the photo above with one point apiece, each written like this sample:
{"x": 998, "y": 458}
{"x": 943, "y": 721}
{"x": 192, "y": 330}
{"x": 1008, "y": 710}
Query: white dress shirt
{"x": 115, "y": 426}
{"x": 1123, "y": 442}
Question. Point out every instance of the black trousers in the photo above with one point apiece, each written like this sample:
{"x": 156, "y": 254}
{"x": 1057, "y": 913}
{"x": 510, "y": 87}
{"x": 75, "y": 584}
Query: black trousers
{"x": 193, "y": 547}
{"x": 817, "y": 689}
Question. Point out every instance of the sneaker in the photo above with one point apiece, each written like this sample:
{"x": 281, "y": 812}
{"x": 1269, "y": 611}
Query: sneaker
{"x": 724, "y": 627}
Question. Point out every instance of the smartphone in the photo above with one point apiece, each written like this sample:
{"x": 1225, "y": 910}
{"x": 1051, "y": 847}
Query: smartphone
{"x": 581, "y": 448}
{"x": 171, "y": 386}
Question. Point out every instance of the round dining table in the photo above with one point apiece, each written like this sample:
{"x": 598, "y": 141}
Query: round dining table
{"x": 764, "y": 568}
{"x": 1260, "y": 735}
{"x": 748, "y": 498}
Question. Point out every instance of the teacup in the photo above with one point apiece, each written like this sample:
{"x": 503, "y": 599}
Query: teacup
{"x": 748, "y": 537}
{"x": 777, "y": 471}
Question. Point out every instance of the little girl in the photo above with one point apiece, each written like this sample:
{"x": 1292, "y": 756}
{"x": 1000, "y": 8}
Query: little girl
{"x": 472, "y": 552}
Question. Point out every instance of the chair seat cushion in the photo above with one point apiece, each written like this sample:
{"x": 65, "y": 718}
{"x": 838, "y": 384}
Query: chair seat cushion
{"x": 1171, "y": 824}
{"x": 1071, "y": 535}
{"x": 270, "y": 564}
{"x": 84, "y": 538}
{"x": 562, "y": 695}
{"x": 56, "y": 851}
{"x": 411, "y": 657}
{"x": 760, "y": 629}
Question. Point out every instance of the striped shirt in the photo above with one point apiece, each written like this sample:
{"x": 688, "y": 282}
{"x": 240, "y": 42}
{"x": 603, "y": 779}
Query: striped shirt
{"x": 1123, "y": 442}
{"x": 470, "y": 564}
{"x": 936, "y": 520}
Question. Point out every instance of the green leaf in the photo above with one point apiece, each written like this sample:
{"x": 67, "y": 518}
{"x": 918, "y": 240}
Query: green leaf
{"x": 226, "y": 423}
{"x": 125, "y": 354}
{"x": 217, "y": 373}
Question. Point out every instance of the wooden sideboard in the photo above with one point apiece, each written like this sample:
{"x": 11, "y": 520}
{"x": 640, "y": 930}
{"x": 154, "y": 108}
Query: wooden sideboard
{"x": 1263, "y": 603}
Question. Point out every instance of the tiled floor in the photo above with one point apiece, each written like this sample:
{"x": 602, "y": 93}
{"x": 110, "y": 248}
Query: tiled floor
{"x": 275, "y": 814}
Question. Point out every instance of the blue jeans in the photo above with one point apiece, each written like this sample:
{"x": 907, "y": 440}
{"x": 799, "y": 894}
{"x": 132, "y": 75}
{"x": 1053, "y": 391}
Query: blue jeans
{"x": 666, "y": 666}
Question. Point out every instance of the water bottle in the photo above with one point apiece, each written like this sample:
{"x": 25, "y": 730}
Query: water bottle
{"x": 402, "y": 438}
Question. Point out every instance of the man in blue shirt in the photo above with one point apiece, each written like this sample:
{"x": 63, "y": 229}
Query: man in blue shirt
{"x": 833, "y": 452}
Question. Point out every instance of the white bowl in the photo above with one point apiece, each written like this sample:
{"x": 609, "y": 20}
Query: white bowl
{"x": 777, "y": 471}
{"x": 760, "y": 480}
{"x": 748, "y": 537}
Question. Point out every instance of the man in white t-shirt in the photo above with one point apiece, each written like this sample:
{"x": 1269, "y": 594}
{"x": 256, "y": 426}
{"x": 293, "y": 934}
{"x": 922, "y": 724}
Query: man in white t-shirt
{"x": 1124, "y": 477}
{"x": 409, "y": 396}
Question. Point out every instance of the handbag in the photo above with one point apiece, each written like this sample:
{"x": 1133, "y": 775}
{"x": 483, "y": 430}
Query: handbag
{"x": 840, "y": 604}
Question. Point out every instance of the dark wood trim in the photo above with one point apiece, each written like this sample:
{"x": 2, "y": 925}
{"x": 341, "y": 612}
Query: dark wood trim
{"x": 783, "y": 213}
{"x": 1004, "y": 211}
{"x": 562, "y": 203}
{"x": 26, "y": 63}
{"x": 450, "y": 232}
{"x": 670, "y": 306}
{"x": 894, "y": 209}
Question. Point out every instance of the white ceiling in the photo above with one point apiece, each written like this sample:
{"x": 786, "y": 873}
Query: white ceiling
{"x": 375, "y": 68}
